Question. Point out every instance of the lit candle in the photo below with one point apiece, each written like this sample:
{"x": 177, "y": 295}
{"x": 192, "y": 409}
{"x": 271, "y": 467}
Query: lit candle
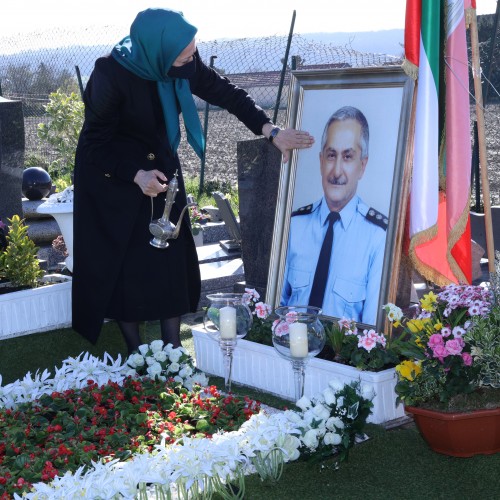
{"x": 298, "y": 340}
{"x": 227, "y": 321}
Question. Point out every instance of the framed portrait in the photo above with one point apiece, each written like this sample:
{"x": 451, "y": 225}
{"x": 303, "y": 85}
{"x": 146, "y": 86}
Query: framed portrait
{"x": 357, "y": 167}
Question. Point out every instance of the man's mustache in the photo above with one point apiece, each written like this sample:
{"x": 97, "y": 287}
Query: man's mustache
{"x": 337, "y": 181}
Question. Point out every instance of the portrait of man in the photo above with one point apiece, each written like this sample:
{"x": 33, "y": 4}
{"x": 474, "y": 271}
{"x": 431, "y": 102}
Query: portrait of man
{"x": 336, "y": 244}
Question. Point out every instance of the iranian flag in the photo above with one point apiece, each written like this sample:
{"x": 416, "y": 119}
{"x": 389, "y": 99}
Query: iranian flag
{"x": 439, "y": 230}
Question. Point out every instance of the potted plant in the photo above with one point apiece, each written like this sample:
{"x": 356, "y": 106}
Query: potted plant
{"x": 447, "y": 382}
{"x": 256, "y": 363}
{"x": 25, "y": 306}
{"x": 19, "y": 264}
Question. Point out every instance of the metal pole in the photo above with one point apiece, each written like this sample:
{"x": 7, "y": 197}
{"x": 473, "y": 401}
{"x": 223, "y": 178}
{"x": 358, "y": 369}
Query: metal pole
{"x": 205, "y": 135}
{"x": 475, "y": 170}
{"x": 492, "y": 52}
{"x": 476, "y": 73}
{"x": 283, "y": 69}
{"x": 79, "y": 78}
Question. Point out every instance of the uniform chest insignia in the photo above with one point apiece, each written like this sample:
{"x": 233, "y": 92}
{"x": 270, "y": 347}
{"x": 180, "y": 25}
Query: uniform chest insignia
{"x": 375, "y": 217}
{"x": 303, "y": 210}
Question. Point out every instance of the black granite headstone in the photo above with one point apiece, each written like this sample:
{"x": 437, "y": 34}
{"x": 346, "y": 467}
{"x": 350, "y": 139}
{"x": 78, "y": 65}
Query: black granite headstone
{"x": 258, "y": 178}
{"x": 11, "y": 157}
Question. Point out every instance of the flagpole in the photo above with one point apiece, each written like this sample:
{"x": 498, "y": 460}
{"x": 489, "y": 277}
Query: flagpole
{"x": 476, "y": 72}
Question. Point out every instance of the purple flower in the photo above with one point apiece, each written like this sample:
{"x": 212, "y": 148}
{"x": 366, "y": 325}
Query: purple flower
{"x": 440, "y": 352}
{"x": 454, "y": 346}
{"x": 435, "y": 340}
{"x": 467, "y": 358}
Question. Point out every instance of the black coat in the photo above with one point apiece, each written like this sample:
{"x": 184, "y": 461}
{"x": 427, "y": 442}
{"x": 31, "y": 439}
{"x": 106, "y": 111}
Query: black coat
{"x": 117, "y": 273}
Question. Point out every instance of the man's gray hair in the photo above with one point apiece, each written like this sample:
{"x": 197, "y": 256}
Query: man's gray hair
{"x": 350, "y": 113}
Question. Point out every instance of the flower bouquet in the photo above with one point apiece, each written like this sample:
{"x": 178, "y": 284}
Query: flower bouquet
{"x": 261, "y": 329}
{"x": 163, "y": 362}
{"x": 366, "y": 350}
{"x": 440, "y": 363}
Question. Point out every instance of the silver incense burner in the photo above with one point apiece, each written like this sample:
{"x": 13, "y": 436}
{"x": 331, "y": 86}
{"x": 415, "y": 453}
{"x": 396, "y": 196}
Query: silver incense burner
{"x": 162, "y": 229}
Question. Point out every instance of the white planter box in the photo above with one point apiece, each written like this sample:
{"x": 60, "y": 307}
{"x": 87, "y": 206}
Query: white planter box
{"x": 35, "y": 310}
{"x": 260, "y": 366}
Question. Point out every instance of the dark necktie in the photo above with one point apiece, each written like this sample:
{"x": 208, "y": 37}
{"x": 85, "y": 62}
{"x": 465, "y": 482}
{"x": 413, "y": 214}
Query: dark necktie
{"x": 321, "y": 274}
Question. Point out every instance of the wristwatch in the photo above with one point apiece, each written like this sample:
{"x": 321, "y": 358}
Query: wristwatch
{"x": 273, "y": 134}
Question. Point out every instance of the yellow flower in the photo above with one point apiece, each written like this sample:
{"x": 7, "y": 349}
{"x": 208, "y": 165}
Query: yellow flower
{"x": 415, "y": 325}
{"x": 429, "y": 301}
{"x": 409, "y": 369}
{"x": 438, "y": 326}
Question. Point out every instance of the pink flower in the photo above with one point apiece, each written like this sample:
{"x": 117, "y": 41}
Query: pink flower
{"x": 367, "y": 343}
{"x": 435, "y": 340}
{"x": 291, "y": 317}
{"x": 440, "y": 352}
{"x": 467, "y": 358}
{"x": 262, "y": 310}
{"x": 454, "y": 346}
{"x": 280, "y": 328}
{"x": 344, "y": 323}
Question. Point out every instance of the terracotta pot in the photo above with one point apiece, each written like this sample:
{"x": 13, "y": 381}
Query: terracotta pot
{"x": 459, "y": 434}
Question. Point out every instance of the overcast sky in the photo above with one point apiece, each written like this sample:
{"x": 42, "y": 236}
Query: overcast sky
{"x": 216, "y": 19}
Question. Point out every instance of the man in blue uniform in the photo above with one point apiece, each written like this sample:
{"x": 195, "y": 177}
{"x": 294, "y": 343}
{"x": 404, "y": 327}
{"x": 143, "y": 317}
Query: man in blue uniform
{"x": 336, "y": 245}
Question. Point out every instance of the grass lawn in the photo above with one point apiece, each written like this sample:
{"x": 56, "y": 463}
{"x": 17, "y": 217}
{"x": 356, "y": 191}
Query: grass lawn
{"x": 392, "y": 464}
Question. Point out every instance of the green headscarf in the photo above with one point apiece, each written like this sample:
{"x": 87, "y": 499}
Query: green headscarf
{"x": 157, "y": 37}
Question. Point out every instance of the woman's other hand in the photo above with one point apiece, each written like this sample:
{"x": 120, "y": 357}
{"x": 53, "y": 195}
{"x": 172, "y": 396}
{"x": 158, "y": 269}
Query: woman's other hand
{"x": 149, "y": 182}
{"x": 287, "y": 139}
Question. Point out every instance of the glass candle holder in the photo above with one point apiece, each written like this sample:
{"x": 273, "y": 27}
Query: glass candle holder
{"x": 227, "y": 319}
{"x": 298, "y": 336}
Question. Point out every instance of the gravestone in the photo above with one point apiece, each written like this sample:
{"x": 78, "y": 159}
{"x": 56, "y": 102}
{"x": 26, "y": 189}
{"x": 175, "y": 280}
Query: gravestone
{"x": 11, "y": 157}
{"x": 232, "y": 226}
{"x": 258, "y": 178}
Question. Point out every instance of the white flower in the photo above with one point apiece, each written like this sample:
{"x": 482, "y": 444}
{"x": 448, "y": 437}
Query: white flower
{"x": 143, "y": 349}
{"x": 329, "y": 396}
{"x": 174, "y": 368}
{"x": 186, "y": 371}
{"x": 136, "y": 360}
{"x": 304, "y": 403}
{"x": 154, "y": 369}
{"x": 331, "y": 438}
{"x": 334, "y": 423}
{"x": 321, "y": 412}
{"x": 130, "y": 373}
{"x": 150, "y": 360}
{"x": 156, "y": 345}
{"x": 160, "y": 356}
{"x": 175, "y": 355}
{"x": 310, "y": 439}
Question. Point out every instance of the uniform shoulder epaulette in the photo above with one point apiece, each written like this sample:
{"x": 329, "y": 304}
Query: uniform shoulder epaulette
{"x": 375, "y": 217}
{"x": 303, "y": 210}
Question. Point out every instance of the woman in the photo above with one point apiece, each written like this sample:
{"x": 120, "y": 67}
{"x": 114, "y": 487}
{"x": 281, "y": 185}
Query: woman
{"x": 125, "y": 157}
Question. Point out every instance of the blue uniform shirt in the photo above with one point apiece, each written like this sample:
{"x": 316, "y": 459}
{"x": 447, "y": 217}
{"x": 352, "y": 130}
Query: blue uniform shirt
{"x": 355, "y": 273}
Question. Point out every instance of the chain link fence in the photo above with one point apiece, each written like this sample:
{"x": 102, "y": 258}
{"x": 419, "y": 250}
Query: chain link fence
{"x": 32, "y": 68}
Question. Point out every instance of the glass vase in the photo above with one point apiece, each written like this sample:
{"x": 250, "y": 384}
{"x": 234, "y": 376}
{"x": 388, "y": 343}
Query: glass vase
{"x": 298, "y": 336}
{"x": 227, "y": 318}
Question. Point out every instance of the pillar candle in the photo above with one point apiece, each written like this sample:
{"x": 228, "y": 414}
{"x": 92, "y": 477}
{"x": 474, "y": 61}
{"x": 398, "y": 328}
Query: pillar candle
{"x": 298, "y": 340}
{"x": 227, "y": 321}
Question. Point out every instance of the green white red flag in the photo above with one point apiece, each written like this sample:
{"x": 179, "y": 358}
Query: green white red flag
{"x": 439, "y": 230}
